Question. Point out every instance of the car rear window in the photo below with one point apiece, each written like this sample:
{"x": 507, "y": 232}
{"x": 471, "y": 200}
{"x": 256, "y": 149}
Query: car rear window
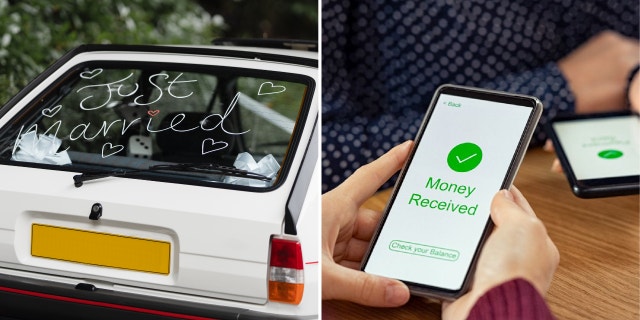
{"x": 133, "y": 116}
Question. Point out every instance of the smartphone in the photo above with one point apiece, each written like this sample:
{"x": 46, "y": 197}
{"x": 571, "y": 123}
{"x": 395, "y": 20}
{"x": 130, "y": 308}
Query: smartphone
{"x": 469, "y": 146}
{"x": 599, "y": 153}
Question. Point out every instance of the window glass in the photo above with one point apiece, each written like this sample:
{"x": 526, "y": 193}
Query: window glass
{"x": 106, "y": 117}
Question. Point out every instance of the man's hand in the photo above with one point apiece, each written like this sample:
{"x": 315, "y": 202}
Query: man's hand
{"x": 598, "y": 71}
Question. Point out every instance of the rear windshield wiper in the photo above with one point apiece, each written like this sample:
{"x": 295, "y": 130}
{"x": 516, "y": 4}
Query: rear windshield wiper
{"x": 79, "y": 179}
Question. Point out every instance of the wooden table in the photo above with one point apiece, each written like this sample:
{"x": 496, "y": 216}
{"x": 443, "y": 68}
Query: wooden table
{"x": 598, "y": 242}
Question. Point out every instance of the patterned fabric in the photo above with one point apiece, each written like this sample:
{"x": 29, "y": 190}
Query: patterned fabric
{"x": 383, "y": 59}
{"x": 515, "y": 299}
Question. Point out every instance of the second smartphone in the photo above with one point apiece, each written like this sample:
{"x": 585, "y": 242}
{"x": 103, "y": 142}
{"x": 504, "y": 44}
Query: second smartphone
{"x": 469, "y": 146}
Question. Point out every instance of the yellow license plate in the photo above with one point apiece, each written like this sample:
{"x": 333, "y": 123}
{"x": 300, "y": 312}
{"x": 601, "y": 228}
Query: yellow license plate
{"x": 100, "y": 249}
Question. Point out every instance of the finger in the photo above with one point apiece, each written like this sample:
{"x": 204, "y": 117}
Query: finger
{"x": 504, "y": 208}
{"x": 366, "y": 224}
{"x": 355, "y": 265}
{"x": 556, "y": 166}
{"x": 521, "y": 201}
{"x": 346, "y": 284}
{"x": 369, "y": 178}
{"x": 355, "y": 250}
{"x": 548, "y": 146}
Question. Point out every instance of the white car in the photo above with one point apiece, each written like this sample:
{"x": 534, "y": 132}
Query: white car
{"x": 162, "y": 182}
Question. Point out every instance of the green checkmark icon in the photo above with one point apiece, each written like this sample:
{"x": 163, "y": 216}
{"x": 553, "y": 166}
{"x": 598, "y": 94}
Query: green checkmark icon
{"x": 610, "y": 154}
{"x": 464, "y": 157}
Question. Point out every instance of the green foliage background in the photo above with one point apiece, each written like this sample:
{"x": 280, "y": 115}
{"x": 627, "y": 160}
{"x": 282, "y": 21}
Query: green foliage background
{"x": 37, "y": 32}
{"x": 34, "y": 33}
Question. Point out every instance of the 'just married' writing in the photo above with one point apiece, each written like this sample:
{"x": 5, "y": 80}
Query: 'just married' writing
{"x": 101, "y": 95}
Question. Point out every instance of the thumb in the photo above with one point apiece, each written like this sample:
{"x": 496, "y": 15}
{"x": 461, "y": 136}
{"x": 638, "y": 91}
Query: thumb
{"x": 504, "y": 208}
{"x": 342, "y": 283}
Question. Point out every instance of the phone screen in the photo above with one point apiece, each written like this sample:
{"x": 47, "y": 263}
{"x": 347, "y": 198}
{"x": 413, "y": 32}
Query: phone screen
{"x": 438, "y": 213}
{"x": 601, "y": 147}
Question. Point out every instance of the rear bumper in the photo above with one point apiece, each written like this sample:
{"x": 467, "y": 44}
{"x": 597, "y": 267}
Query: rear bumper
{"x": 26, "y": 298}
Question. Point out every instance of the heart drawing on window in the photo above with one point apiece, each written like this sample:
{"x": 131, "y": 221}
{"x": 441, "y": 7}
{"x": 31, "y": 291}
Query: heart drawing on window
{"x": 270, "y": 88}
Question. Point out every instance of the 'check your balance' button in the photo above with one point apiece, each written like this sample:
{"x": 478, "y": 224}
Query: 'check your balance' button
{"x": 424, "y": 250}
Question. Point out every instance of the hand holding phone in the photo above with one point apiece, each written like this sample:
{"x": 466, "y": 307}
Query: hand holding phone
{"x": 347, "y": 229}
{"x": 518, "y": 248}
{"x": 469, "y": 146}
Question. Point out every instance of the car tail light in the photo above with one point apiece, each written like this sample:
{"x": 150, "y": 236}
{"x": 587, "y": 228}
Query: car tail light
{"x": 286, "y": 270}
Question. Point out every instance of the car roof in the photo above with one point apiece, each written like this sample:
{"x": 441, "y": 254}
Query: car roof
{"x": 286, "y": 46}
{"x": 291, "y": 56}
{"x": 282, "y": 52}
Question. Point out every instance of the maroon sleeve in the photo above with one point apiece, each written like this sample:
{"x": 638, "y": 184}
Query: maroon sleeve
{"x": 515, "y": 299}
